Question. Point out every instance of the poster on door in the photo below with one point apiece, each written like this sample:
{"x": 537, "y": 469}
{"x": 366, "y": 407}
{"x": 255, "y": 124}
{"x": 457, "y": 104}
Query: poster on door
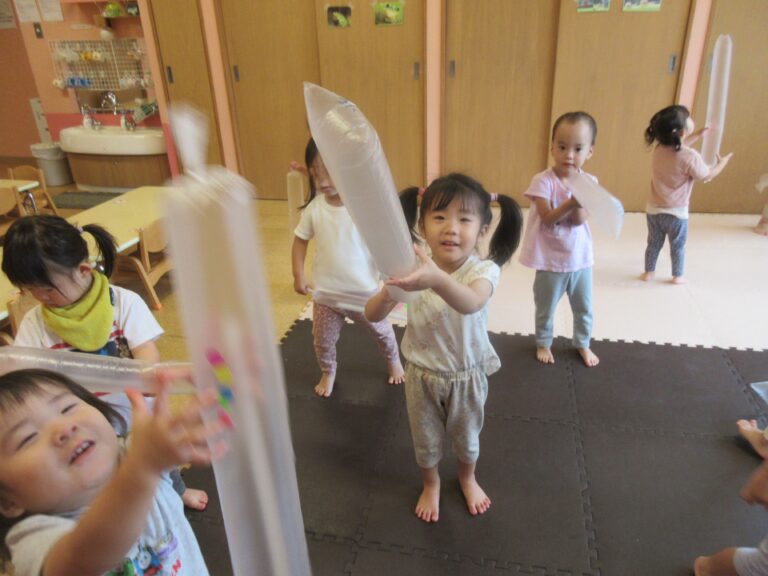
{"x": 593, "y": 6}
{"x": 642, "y": 5}
{"x": 339, "y": 16}
{"x": 388, "y": 13}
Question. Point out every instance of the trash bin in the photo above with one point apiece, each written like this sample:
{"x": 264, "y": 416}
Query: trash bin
{"x": 53, "y": 162}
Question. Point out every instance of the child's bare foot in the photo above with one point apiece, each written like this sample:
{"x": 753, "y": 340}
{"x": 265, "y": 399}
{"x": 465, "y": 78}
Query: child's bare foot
{"x": 325, "y": 386}
{"x": 752, "y": 434}
{"x": 396, "y": 373}
{"x": 477, "y": 500}
{"x": 679, "y": 280}
{"x": 646, "y": 276}
{"x": 428, "y": 506}
{"x": 544, "y": 355}
{"x": 589, "y": 357}
{"x": 195, "y": 499}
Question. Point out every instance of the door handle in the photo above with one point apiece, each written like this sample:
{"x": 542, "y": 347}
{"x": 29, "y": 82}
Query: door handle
{"x": 672, "y": 64}
{"x": 416, "y": 70}
{"x": 236, "y": 72}
{"x": 452, "y": 68}
{"x": 169, "y": 74}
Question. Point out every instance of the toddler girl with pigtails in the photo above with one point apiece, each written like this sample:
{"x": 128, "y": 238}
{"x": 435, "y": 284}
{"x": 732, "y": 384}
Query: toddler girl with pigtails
{"x": 446, "y": 340}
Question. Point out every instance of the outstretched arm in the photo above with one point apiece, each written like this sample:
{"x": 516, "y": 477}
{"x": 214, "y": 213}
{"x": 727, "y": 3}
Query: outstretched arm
{"x": 695, "y": 136}
{"x": 379, "y": 306}
{"x": 118, "y": 514}
{"x": 465, "y": 299}
{"x": 718, "y": 167}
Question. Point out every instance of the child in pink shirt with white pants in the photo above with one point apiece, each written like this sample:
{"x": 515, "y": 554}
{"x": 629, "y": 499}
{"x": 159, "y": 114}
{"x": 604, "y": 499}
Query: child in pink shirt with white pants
{"x": 558, "y": 242}
{"x": 675, "y": 167}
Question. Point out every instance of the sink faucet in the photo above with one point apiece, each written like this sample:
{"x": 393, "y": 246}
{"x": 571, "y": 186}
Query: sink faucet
{"x": 110, "y": 98}
{"x": 128, "y": 122}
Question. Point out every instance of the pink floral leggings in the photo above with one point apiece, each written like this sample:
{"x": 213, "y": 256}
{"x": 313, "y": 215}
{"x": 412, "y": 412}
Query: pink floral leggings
{"x": 326, "y": 328}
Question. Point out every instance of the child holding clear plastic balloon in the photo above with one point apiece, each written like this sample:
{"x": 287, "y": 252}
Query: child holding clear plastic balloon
{"x": 342, "y": 264}
{"x": 558, "y": 241}
{"x": 76, "y": 498}
{"x": 446, "y": 340}
{"x": 79, "y": 309}
{"x": 675, "y": 167}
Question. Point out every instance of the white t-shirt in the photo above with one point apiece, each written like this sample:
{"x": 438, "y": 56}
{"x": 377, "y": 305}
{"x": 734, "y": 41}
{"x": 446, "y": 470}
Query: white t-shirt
{"x": 167, "y": 546}
{"x": 441, "y": 339}
{"x": 133, "y": 326}
{"x": 342, "y": 260}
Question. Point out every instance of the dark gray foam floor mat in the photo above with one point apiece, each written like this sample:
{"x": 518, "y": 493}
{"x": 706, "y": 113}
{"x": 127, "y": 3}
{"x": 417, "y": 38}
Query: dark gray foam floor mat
{"x": 629, "y": 468}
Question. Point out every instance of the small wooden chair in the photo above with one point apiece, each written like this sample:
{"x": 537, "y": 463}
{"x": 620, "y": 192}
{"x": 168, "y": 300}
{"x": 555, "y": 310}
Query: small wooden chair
{"x": 10, "y": 202}
{"x": 33, "y": 201}
{"x": 152, "y": 262}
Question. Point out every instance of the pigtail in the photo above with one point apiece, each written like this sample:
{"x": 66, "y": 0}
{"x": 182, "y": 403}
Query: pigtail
{"x": 666, "y": 126}
{"x": 409, "y": 200}
{"x": 310, "y": 153}
{"x": 506, "y": 238}
{"x": 107, "y": 247}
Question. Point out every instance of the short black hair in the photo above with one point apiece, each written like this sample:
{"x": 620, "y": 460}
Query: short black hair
{"x": 573, "y": 118}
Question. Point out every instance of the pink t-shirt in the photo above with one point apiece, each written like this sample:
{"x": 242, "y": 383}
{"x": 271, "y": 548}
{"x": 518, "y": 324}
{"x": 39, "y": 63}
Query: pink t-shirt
{"x": 559, "y": 247}
{"x": 672, "y": 175}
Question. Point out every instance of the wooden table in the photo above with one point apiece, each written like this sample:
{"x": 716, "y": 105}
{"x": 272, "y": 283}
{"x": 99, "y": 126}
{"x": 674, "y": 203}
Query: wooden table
{"x": 21, "y": 185}
{"x": 121, "y": 216}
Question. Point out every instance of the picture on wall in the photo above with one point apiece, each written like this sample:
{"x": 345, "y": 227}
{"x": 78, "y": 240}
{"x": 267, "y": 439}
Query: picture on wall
{"x": 642, "y": 5}
{"x": 339, "y": 16}
{"x": 593, "y": 6}
{"x": 388, "y": 13}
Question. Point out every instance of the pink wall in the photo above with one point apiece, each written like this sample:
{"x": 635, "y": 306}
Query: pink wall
{"x": 694, "y": 54}
{"x": 16, "y": 118}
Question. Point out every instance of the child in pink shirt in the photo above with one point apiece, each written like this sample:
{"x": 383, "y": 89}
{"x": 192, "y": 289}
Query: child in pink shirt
{"x": 557, "y": 242}
{"x": 675, "y": 167}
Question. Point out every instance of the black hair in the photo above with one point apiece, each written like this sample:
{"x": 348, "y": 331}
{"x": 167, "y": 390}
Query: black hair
{"x": 442, "y": 191}
{"x": 36, "y": 245}
{"x": 667, "y": 126}
{"x": 17, "y": 386}
{"x": 573, "y": 118}
{"x": 310, "y": 153}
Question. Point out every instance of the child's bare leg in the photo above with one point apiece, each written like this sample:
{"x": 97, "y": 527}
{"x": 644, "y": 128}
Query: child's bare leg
{"x": 195, "y": 499}
{"x": 325, "y": 386}
{"x": 720, "y": 564}
{"x": 647, "y": 276}
{"x": 396, "y": 373}
{"x": 752, "y": 434}
{"x": 589, "y": 357}
{"x": 477, "y": 500}
{"x": 544, "y": 355}
{"x": 428, "y": 506}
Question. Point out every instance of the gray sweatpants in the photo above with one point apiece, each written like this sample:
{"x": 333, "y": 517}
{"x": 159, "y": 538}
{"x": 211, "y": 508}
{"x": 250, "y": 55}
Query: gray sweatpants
{"x": 548, "y": 288}
{"x": 659, "y": 227}
{"x": 752, "y": 561}
{"x": 445, "y": 403}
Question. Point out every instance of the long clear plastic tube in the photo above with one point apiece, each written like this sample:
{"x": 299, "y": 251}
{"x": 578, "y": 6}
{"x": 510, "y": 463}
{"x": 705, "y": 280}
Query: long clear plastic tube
{"x": 355, "y": 160}
{"x": 604, "y": 209}
{"x": 717, "y": 100}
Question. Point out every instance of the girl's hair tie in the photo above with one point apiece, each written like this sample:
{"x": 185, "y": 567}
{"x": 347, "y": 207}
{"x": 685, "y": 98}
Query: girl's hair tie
{"x": 494, "y": 197}
{"x": 79, "y": 229}
{"x": 421, "y": 191}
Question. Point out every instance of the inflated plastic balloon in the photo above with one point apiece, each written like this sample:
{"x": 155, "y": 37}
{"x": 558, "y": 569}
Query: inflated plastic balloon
{"x": 717, "y": 99}
{"x": 355, "y": 160}
{"x": 604, "y": 209}
{"x": 227, "y": 320}
{"x": 92, "y": 371}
